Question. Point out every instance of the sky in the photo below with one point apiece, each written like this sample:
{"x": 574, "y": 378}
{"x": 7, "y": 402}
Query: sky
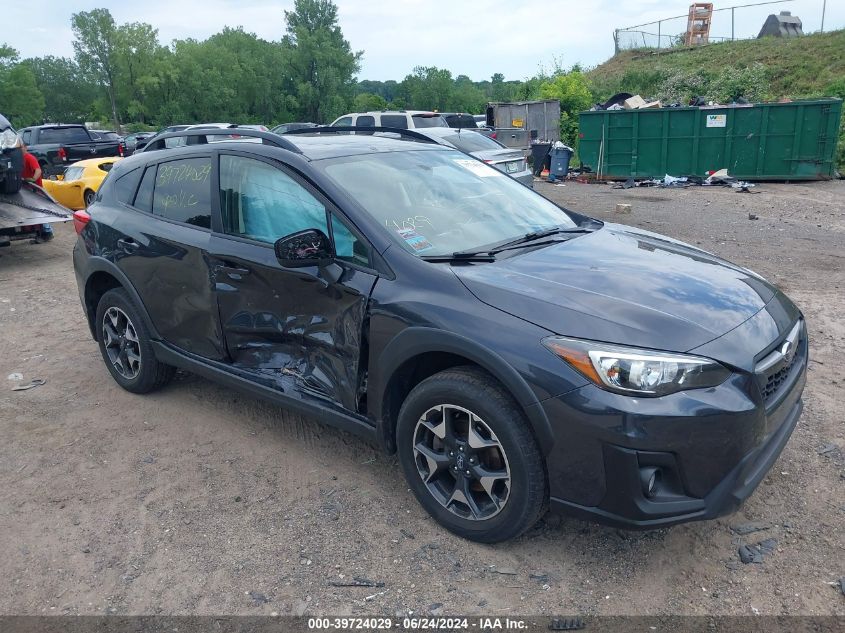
{"x": 470, "y": 37}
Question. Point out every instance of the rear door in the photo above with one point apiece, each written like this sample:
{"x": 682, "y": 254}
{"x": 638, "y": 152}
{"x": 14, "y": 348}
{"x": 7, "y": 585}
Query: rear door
{"x": 290, "y": 328}
{"x": 162, "y": 247}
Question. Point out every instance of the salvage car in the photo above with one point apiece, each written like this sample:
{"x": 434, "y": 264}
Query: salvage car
{"x": 514, "y": 354}
{"x": 473, "y": 142}
{"x": 58, "y": 145}
{"x": 402, "y": 119}
{"x": 79, "y": 184}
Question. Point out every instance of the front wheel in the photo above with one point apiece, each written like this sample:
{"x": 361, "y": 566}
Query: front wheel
{"x": 469, "y": 456}
{"x": 125, "y": 345}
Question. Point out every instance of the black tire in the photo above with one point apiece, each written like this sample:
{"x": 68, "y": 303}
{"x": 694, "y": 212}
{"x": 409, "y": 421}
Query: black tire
{"x": 476, "y": 391}
{"x": 143, "y": 375}
{"x": 88, "y": 197}
{"x": 12, "y": 182}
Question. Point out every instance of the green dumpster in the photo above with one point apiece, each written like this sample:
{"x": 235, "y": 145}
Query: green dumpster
{"x": 763, "y": 141}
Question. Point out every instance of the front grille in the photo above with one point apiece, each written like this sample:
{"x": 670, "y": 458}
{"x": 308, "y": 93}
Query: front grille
{"x": 776, "y": 380}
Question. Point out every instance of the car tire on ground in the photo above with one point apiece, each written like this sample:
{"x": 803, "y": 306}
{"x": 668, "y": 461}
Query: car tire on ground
{"x": 462, "y": 421}
{"x": 88, "y": 197}
{"x": 125, "y": 345}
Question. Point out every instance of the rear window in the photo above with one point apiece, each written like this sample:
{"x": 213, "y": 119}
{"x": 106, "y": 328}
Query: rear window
{"x": 73, "y": 173}
{"x": 395, "y": 120}
{"x": 63, "y": 135}
{"x": 472, "y": 142}
{"x": 429, "y": 120}
{"x": 105, "y": 136}
{"x": 460, "y": 120}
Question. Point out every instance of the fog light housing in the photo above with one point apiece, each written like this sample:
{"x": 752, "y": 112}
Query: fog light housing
{"x": 649, "y": 479}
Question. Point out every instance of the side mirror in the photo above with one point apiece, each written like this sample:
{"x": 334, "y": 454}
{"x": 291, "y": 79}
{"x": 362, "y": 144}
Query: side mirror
{"x": 310, "y": 247}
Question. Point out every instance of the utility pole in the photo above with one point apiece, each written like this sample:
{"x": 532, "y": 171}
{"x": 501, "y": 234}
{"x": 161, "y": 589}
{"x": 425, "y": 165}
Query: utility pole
{"x": 732, "y": 24}
{"x": 824, "y": 8}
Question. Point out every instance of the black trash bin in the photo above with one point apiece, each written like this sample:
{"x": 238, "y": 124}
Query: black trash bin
{"x": 539, "y": 154}
{"x": 560, "y": 162}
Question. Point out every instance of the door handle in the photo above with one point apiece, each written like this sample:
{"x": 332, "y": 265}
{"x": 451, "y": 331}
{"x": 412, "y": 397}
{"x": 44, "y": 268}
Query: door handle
{"x": 128, "y": 245}
{"x": 232, "y": 271}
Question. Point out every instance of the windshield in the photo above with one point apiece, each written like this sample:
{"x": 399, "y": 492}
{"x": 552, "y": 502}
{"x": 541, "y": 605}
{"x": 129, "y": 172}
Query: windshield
{"x": 440, "y": 202}
{"x": 472, "y": 142}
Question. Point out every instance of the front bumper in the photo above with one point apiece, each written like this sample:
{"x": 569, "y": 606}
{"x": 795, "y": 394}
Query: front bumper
{"x": 712, "y": 447}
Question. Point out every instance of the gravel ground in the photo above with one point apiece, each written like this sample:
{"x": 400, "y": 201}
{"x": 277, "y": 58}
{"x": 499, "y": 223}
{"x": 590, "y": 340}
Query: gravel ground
{"x": 200, "y": 500}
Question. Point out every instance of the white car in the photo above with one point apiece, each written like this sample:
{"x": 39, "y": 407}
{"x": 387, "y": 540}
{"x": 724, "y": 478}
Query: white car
{"x": 403, "y": 119}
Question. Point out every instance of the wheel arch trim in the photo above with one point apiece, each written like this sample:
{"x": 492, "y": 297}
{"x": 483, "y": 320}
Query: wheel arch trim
{"x": 417, "y": 341}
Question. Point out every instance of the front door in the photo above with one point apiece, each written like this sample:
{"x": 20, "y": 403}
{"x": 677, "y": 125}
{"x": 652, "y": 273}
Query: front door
{"x": 292, "y": 328}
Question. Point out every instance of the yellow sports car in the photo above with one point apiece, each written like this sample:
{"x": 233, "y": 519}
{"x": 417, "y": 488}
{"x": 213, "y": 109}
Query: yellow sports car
{"x": 80, "y": 182}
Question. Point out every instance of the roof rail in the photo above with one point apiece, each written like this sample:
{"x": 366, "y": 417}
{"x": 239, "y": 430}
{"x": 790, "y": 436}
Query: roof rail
{"x": 361, "y": 129}
{"x": 270, "y": 138}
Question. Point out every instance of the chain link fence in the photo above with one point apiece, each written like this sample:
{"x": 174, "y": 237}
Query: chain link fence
{"x": 726, "y": 24}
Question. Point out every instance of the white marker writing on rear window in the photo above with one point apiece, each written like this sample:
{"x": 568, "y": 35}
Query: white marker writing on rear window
{"x": 479, "y": 169}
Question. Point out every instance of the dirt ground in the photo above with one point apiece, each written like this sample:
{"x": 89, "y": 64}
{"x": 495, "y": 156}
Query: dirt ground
{"x": 201, "y": 500}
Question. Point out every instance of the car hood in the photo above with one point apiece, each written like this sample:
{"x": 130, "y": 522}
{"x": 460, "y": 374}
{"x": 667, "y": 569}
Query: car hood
{"x": 622, "y": 285}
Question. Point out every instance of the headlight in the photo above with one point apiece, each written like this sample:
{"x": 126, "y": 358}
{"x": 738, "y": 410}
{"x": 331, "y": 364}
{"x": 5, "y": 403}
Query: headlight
{"x": 632, "y": 371}
{"x": 8, "y": 139}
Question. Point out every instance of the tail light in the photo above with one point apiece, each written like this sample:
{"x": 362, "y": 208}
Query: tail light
{"x": 80, "y": 220}
{"x": 489, "y": 162}
{"x": 494, "y": 135}
{"x": 120, "y": 149}
{"x": 62, "y": 153}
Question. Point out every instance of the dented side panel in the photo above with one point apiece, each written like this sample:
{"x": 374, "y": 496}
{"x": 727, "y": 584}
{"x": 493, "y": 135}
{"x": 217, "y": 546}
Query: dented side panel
{"x": 289, "y": 327}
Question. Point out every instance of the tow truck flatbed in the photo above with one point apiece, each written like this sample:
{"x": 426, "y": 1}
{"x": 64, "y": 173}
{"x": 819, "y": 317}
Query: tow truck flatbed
{"x": 23, "y": 212}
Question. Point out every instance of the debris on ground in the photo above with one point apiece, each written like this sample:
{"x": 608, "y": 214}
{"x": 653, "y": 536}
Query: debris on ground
{"x": 718, "y": 178}
{"x": 827, "y": 448}
{"x": 749, "y": 528}
{"x": 36, "y": 382}
{"x": 752, "y": 216}
{"x": 756, "y": 553}
{"x": 505, "y": 571}
{"x": 16, "y": 376}
{"x": 258, "y": 598}
{"x": 623, "y": 208}
{"x": 357, "y": 581}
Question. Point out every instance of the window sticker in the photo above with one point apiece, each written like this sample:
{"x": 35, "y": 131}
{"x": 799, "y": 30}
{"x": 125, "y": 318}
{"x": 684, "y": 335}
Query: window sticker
{"x": 416, "y": 241}
{"x": 479, "y": 169}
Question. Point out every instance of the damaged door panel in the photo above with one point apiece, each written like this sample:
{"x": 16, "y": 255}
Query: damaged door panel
{"x": 294, "y": 328}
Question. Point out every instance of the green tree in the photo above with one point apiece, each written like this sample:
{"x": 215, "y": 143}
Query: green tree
{"x": 96, "y": 46}
{"x": 22, "y": 101}
{"x": 68, "y": 95}
{"x": 428, "y": 88}
{"x": 137, "y": 49}
{"x": 322, "y": 64}
{"x": 366, "y": 102}
{"x": 571, "y": 89}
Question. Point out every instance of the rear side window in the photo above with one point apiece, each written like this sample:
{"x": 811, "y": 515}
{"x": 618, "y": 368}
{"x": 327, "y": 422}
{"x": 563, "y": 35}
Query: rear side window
{"x": 344, "y": 122}
{"x": 64, "y": 135}
{"x": 183, "y": 191}
{"x": 125, "y": 186}
{"x": 365, "y": 121}
{"x": 394, "y": 120}
{"x": 26, "y": 136}
{"x": 429, "y": 120}
{"x": 144, "y": 199}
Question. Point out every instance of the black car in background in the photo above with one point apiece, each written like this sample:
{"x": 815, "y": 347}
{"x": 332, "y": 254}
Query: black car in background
{"x": 136, "y": 142}
{"x": 516, "y": 355}
{"x": 58, "y": 145}
{"x": 284, "y": 128}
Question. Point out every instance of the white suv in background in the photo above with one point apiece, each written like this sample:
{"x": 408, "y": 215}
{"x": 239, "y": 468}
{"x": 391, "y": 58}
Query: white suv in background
{"x": 403, "y": 119}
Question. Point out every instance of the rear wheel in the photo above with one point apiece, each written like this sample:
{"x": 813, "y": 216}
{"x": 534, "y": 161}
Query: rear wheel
{"x": 469, "y": 456}
{"x": 125, "y": 345}
{"x": 89, "y": 197}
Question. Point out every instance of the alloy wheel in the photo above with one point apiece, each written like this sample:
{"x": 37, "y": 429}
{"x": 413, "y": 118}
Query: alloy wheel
{"x": 461, "y": 462}
{"x": 121, "y": 343}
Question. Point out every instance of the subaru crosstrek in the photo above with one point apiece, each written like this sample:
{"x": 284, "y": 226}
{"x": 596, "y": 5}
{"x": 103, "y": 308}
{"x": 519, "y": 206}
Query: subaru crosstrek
{"x": 516, "y": 355}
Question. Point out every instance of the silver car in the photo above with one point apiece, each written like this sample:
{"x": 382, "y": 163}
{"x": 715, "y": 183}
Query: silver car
{"x": 473, "y": 142}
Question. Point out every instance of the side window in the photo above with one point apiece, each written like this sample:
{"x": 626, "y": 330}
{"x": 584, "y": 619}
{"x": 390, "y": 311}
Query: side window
{"x": 344, "y": 122}
{"x": 263, "y": 203}
{"x": 394, "y": 120}
{"x": 144, "y": 197}
{"x": 365, "y": 121}
{"x": 27, "y": 134}
{"x": 347, "y": 245}
{"x": 125, "y": 186}
{"x": 183, "y": 191}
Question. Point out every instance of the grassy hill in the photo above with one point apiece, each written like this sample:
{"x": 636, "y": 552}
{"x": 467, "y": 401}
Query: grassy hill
{"x": 813, "y": 65}
{"x": 758, "y": 70}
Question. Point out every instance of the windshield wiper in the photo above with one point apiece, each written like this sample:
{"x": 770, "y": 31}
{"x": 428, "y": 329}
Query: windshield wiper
{"x": 528, "y": 239}
{"x": 460, "y": 257}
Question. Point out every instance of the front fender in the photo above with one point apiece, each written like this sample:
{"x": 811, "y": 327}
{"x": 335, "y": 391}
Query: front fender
{"x": 415, "y": 341}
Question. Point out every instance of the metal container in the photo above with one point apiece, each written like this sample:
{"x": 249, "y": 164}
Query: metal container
{"x": 765, "y": 141}
{"x": 519, "y": 123}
